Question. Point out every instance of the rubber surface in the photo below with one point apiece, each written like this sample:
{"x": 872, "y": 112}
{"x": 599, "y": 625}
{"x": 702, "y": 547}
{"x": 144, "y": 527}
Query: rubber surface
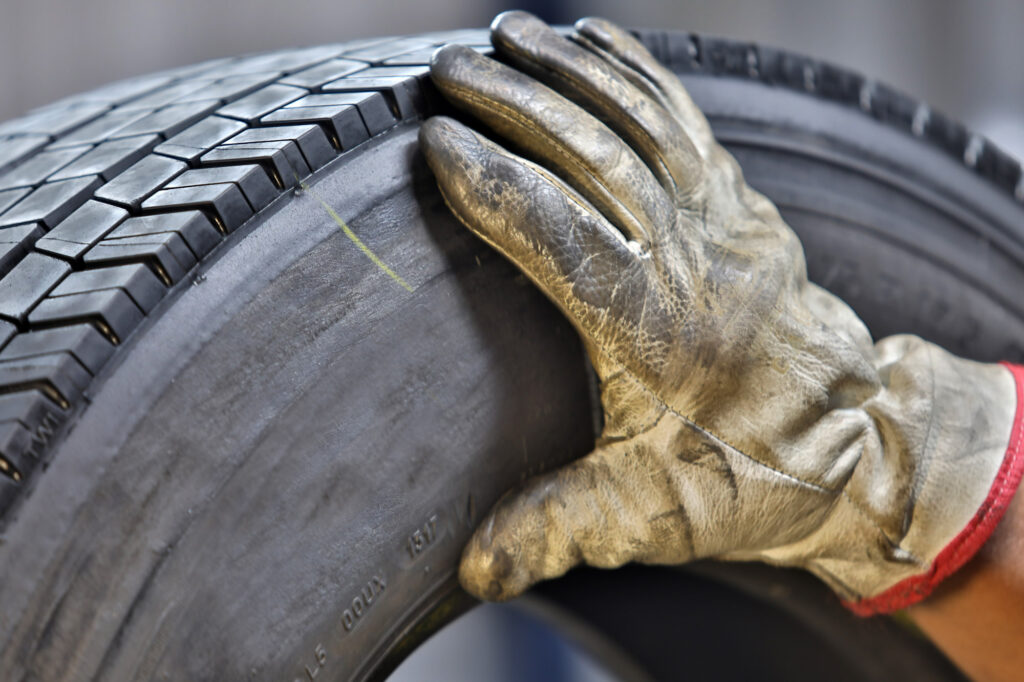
{"x": 278, "y": 435}
{"x": 109, "y": 198}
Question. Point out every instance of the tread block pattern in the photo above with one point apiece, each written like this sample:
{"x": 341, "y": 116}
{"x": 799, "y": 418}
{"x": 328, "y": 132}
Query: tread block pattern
{"x": 419, "y": 71}
{"x": 422, "y": 57}
{"x": 194, "y": 227}
{"x": 108, "y": 126}
{"x": 59, "y": 376}
{"x": 111, "y": 311}
{"x": 378, "y": 52}
{"x": 55, "y": 120}
{"x": 342, "y": 123}
{"x": 135, "y": 185}
{"x": 119, "y": 92}
{"x": 372, "y": 107}
{"x": 51, "y": 203}
{"x": 137, "y": 280}
{"x": 14, "y": 149}
{"x": 165, "y": 252}
{"x": 251, "y": 107}
{"x": 251, "y": 179}
{"x": 315, "y": 76}
{"x": 189, "y": 144}
{"x": 281, "y": 159}
{"x": 16, "y": 462}
{"x": 27, "y": 283}
{"x": 80, "y": 230}
{"x": 110, "y": 197}
{"x": 184, "y": 91}
{"x": 170, "y": 120}
{"x": 231, "y": 88}
{"x": 9, "y": 197}
{"x": 224, "y": 202}
{"x": 405, "y": 92}
{"x": 310, "y": 139}
{"x": 17, "y": 407}
{"x": 287, "y": 61}
{"x": 7, "y": 332}
{"x": 15, "y": 243}
{"x": 40, "y": 167}
{"x": 87, "y": 345}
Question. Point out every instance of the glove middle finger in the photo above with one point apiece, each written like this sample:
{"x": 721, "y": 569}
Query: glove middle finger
{"x": 561, "y": 135}
{"x": 588, "y": 79}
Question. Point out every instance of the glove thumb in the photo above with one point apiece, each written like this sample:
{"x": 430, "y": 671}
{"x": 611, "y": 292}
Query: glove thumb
{"x": 596, "y": 510}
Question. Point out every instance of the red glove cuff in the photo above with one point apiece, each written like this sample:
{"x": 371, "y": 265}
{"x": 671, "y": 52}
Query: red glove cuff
{"x": 967, "y": 543}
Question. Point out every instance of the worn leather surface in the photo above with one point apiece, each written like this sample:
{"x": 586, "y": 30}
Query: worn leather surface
{"x": 748, "y": 413}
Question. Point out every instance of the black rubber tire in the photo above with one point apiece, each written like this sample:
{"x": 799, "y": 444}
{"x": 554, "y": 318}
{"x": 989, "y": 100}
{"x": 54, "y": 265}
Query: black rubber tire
{"x": 268, "y": 468}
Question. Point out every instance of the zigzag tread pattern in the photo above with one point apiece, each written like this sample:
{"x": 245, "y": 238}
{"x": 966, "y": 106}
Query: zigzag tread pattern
{"x": 110, "y": 198}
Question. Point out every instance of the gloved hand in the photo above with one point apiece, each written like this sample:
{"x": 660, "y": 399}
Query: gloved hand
{"x": 748, "y": 414}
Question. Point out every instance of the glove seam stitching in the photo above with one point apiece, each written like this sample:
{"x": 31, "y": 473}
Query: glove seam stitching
{"x": 842, "y": 492}
{"x": 608, "y": 440}
{"x": 691, "y": 422}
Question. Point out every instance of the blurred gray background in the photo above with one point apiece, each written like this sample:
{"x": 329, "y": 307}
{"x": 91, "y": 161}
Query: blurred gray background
{"x": 963, "y": 57}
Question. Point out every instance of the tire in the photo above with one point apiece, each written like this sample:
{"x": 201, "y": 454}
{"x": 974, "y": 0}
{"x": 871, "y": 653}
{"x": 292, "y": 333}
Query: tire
{"x": 234, "y": 447}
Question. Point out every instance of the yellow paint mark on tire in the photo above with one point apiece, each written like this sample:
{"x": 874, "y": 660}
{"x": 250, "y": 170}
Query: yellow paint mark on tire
{"x": 356, "y": 240}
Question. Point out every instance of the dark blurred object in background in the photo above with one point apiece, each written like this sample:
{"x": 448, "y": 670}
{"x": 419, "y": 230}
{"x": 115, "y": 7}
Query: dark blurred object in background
{"x": 963, "y": 58}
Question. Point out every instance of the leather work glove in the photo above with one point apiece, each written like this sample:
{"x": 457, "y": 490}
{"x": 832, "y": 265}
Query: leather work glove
{"x": 748, "y": 415}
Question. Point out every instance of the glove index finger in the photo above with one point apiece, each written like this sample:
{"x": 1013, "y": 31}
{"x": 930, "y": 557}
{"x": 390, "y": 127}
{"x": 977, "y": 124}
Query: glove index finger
{"x": 538, "y": 222}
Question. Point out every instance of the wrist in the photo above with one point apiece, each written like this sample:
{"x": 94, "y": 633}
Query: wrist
{"x": 975, "y": 617}
{"x": 961, "y": 501}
